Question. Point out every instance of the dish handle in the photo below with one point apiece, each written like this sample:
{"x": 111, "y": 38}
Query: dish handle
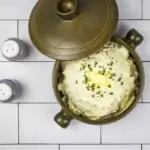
{"x": 133, "y": 38}
{"x": 63, "y": 119}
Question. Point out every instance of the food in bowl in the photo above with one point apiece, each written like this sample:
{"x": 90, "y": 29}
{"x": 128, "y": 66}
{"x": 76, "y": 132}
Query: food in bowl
{"x": 100, "y": 85}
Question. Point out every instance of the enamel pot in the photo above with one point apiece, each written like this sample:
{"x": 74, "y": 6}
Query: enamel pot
{"x": 74, "y": 29}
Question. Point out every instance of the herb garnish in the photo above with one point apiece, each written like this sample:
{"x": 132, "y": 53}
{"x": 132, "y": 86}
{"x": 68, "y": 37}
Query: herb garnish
{"x": 111, "y": 93}
{"x": 109, "y": 86}
{"x": 122, "y": 83}
{"x": 119, "y": 79}
{"x": 96, "y": 63}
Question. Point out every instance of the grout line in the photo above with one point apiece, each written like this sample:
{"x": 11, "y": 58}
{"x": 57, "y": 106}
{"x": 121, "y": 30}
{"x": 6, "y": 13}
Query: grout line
{"x": 130, "y": 19}
{"x": 100, "y": 134}
{"x": 126, "y": 144}
{"x": 14, "y": 103}
{"x": 19, "y": 103}
{"x": 145, "y": 61}
{"x": 59, "y": 144}
{"x": 54, "y": 103}
{"x": 24, "y": 144}
{"x": 140, "y": 19}
{"x": 18, "y": 125}
{"x": 15, "y": 19}
{"x": 134, "y": 19}
{"x": 44, "y": 61}
{"x": 27, "y": 61}
{"x": 51, "y": 61}
{"x": 23, "y": 19}
{"x": 145, "y": 102}
{"x": 17, "y": 28}
{"x": 142, "y": 10}
{"x": 8, "y": 19}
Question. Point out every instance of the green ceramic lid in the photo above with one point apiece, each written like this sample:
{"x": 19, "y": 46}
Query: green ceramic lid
{"x": 72, "y": 29}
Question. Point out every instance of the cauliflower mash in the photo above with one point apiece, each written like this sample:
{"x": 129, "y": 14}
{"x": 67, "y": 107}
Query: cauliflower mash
{"x": 99, "y": 85}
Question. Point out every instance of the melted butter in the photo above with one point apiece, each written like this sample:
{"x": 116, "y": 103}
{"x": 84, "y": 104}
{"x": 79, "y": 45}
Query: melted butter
{"x": 99, "y": 79}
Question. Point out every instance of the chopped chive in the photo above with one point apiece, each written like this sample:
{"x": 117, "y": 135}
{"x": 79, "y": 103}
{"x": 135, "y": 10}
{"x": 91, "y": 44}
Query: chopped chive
{"x": 99, "y": 92}
{"x": 122, "y": 83}
{"x": 111, "y": 63}
{"x": 96, "y": 63}
{"x": 109, "y": 86}
{"x": 104, "y": 71}
{"x": 119, "y": 79}
{"x": 88, "y": 88}
{"x": 111, "y": 93}
{"x": 114, "y": 74}
{"x": 99, "y": 72}
{"x": 102, "y": 95}
{"x": 90, "y": 68}
{"x": 93, "y": 87}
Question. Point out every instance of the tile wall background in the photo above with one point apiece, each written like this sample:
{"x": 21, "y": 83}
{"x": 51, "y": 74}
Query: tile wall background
{"x": 27, "y": 123}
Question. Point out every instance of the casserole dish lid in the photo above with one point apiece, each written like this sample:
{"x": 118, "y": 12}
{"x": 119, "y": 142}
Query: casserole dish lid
{"x": 72, "y": 29}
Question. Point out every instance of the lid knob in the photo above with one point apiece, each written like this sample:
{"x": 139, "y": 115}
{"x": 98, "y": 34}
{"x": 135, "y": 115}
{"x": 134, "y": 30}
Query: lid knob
{"x": 67, "y": 9}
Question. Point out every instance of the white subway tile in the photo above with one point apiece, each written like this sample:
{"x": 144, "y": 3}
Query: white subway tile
{"x": 129, "y": 9}
{"x": 35, "y": 78}
{"x": 146, "y": 10}
{"x": 8, "y": 29}
{"x": 8, "y": 124}
{"x": 28, "y": 147}
{"x": 34, "y": 54}
{"x": 37, "y": 126}
{"x": 100, "y": 147}
{"x": 16, "y": 9}
{"x": 143, "y": 28}
{"x": 146, "y": 147}
{"x": 146, "y": 94}
{"x": 134, "y": 128}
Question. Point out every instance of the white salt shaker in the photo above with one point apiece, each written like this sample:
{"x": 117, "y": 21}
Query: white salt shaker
{"x": 13, "y": 49}
{"x": 9, "y": 90}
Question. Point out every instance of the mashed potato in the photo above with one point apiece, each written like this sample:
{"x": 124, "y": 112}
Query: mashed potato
{"x": 97, "y": 86}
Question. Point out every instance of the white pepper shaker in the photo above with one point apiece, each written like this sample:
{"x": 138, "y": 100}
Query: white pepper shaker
{"x": 9, "y": 90}
{"x": 13, "y": 49}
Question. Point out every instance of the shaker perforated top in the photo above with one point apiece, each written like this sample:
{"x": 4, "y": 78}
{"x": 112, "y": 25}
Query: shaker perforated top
{"x": 10, "y": 49}
{"x": 6, "y": 92}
